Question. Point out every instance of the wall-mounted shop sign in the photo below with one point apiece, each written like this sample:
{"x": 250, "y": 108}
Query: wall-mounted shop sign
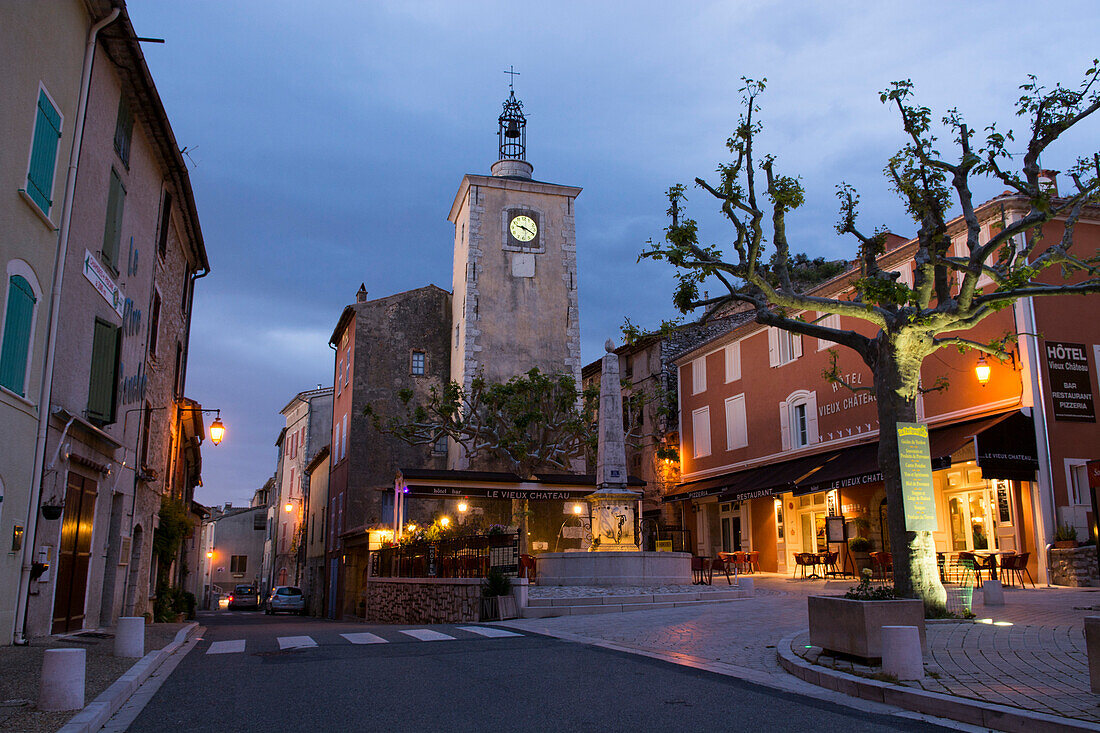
{"x": 486, "y": 493}
{"x": 97, "y": 275}
{"x": 1070, "y": 382}
{"x": 917, "y": 487}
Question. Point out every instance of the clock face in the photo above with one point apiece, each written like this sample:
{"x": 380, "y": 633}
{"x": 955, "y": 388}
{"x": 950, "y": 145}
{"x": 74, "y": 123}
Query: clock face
{"x": 523, "y": 228}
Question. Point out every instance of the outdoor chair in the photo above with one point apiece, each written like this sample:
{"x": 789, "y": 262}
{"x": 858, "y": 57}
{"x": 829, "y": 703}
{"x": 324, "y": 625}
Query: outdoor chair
{"x": 970, "y": 563}
{"x": 700, "y": 570}
{"x": 803, "y": 560}
{"x": 722, "y": 564}
{"x": 1017, "y": 564}
{"x": 741, "y": 559}
{"x": 828, "y": 560}
{"x": 754, "y": 561}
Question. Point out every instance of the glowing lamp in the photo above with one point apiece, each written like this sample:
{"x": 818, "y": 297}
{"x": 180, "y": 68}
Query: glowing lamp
{"x": 577, "y": 509}
{"x": 217, "y": 431}
{"x": 982, "y": 370}
{"x": 209, "y": 555}
{"x": 412, "y": 527}
{"x": 444, "y": 521}
{"x": 463, "y": 506}
{"x": 288, "y": 508}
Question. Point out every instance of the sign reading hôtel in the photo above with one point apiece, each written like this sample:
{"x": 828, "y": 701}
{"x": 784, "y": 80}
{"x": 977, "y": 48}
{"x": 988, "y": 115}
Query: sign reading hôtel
{"x": 1070, "y": 381}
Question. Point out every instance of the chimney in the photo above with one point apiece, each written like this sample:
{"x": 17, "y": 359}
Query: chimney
{"x": 361, "y": 296}
{"x": 1048, "y": 182}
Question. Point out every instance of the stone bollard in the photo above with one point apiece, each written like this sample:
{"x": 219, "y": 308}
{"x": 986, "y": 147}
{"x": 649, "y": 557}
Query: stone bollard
{"x": 1092, "y": 648}
{"x": 130, "y": 637}
{"x": 901, "y": 655}
{"x": 62, "y": 685}
{"x": 993, "y": 593}
{"x": 520, "y": 588}
{"x": 746, "y": 584}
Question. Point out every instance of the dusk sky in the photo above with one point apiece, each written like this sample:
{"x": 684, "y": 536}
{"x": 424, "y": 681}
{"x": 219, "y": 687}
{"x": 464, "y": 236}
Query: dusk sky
{"x": 327, "y": 140}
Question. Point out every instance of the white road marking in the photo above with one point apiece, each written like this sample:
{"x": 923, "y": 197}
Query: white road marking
{"x": 364, "y": 638}
{"x": 487, "y": 631}
{"x": 426, "y": 635}
{"x": 226, "y": 647}
{"x": 295, "y": 642}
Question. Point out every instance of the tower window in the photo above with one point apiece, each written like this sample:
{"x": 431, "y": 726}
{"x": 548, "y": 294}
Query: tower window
{"x": 418, "y": 363}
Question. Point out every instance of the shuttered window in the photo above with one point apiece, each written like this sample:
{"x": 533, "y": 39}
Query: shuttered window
{"x": 112, "y": 231}
{"x": 47, "y": 136}
{"x": 103, "y": 383}
{"x": 18, "y": 319}
{"x": 124, "y": 129}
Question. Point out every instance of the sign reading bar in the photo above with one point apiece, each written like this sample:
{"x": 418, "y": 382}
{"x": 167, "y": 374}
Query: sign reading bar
{"x": 917, "y": 488}
{"x": 1070, "y": 383}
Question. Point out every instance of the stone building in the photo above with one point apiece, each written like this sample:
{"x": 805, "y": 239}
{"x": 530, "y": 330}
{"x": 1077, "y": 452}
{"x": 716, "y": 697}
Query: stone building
{"x": 314, "y": 527}
{"x": 233, "y": 537}
{"x": 121, "y": 438}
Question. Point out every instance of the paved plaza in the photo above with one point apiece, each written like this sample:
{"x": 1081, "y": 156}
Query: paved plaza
{"x": 1029, "y": 653}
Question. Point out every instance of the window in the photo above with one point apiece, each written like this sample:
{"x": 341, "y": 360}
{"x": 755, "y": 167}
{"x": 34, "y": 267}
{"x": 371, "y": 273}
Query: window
{"x": 830, "y": 321}
{"x": 112, "y": 230}
{"x": 737, "y": 429}
{"x": 387, "y": 507}
{"x": 146, "y": 429}
{"x": 699, "y": 375}
{"x": 165, "y": 222}
{"x": 783, "y": 346}
{"x": 259, "y": 521}
{"x": 347, "y": 370}
{"x": 103, "y": 383}
{"x": 439, "y": 447}
{"x": 344, "y": 445}
{"x": 18, "y": 326}
{"x": 457, "y": 326}
{"x": 154, "y": 325}
{"x": 418, "y": 363}
{"x": 340, "y": 375}
{"x": 47, "y": 138}
{"x": 733, "y": 361}
{"x": 178, "y": 385}
{"x": 124, "y": 129}
{"x": 700, "y": 431}
{"x": 238, "y": 564}
{"x": 336, "y": 445}
{"x": 798, "y": 420}
{"x": 1078, "y": 484}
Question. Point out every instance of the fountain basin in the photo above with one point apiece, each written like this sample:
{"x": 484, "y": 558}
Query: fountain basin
{"x": 614, "y": 568}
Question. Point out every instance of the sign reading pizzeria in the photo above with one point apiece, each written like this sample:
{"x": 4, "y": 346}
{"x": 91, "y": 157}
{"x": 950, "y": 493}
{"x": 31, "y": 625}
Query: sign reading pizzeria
{"x": 1070, "y": 382}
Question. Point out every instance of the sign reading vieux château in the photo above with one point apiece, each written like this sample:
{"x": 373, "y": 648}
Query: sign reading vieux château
{"x": 917, "y": 488}
{"x": 1070, "y": 382}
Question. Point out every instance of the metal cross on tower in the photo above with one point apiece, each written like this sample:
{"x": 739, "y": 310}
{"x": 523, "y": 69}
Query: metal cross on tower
{"x": 512, "y": 125}
{"x": 513, "y": 74}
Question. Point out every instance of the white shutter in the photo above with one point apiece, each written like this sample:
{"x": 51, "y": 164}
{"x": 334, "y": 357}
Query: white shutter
{"x": 699, "y": 375}
{"x": 336, "y": 445}
{"x": 796, "y": 345}
{"x": 773, "y": 346}
{"x": 344, "y": 445}
{"x": 737, "y": 434}
{"x": 830, "y": 321}
{"x": 785, "y": 425}
{"x": 811, "y": 419}
{"x": 733, "y": 361}
{"x": 700, "y": 432}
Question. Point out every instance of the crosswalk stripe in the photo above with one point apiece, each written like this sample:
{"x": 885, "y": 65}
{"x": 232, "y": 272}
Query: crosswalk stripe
{"x": 426, "y": 634}
{"x": 226, "y": 647}
{"x": 488, "y": 631}
{"x": 364, "y": 638}
{"x": 295, "y": 642}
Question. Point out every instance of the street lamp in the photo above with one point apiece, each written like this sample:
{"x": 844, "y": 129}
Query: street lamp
{"x": 217, "y": 430}
{"x": 982, "y": 370}
{"x": 463, "y": 506}
{"x": 444, "y": 521}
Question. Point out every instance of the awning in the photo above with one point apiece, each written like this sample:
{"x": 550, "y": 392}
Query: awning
{"x": 853, "y": 467}
{"x": 702, "y": 488}
{"x": 1006, "y": 449}
{"x": 774, "y": 478}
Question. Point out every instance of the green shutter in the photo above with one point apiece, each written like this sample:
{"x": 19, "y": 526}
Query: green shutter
{"x": 19, "y": 315}
{"x": 124, "y": 127}
{"x": 47, "y": 131}
{"x": 112, "y": 232}
{"x": 103, "y": 384}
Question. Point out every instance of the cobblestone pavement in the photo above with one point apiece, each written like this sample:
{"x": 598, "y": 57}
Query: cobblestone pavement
{"x": 1037, "y": 662}
{"x": 593, "y": 591}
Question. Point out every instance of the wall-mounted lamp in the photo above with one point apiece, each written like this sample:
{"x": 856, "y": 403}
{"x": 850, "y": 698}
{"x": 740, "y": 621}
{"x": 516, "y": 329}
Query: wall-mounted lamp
{"x": 444, "y": 521}
{"x": 217, "y": 430}
{"x": 463, "y": 506}
{"x": 982, "y": 370}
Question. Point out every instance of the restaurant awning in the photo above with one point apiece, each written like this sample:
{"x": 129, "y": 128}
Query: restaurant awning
{"x": 1006, "y": 449}
{"x": 774, "y": 478}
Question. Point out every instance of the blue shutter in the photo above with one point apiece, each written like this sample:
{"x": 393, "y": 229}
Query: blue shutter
{"x": 47, "y": 131}
{"x": 17, "y": 334}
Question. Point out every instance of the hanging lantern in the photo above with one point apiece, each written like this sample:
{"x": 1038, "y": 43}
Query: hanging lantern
{"x": 982, "y": 370}
{"x": 217, "y": 431}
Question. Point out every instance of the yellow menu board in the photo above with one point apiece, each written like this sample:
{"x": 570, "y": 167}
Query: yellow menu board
{"x": 917, "y": 488}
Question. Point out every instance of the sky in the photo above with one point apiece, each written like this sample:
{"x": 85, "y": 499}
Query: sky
{"x": 326, "y": 142}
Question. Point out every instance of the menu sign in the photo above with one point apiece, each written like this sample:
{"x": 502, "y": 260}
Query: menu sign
{"x": 1070, "y": 383}
{"x": 917, "y": 488}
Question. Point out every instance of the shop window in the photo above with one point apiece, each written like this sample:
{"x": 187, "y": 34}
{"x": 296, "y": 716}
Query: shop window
{"x": 700, "y": 427}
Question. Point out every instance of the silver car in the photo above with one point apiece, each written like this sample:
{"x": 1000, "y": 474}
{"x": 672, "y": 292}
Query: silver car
{"x": 286, "y": 599}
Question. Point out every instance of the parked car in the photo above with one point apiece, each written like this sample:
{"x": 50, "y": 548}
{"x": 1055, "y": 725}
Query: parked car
{"x": 286, "y": 598}
{"x": 245, "y": 596}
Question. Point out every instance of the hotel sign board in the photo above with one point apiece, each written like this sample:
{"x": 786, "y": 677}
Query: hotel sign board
{"x": 917, "y": 487}
{"x": 1070, "y": 381}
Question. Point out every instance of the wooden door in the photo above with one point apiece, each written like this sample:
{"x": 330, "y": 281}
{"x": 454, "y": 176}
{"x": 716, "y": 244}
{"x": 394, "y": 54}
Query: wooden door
{"x": 74, "y": 555}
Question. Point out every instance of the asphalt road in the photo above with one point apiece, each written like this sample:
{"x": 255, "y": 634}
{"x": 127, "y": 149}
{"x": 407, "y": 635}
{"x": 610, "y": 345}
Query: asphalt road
{"x": 250, "y": 672}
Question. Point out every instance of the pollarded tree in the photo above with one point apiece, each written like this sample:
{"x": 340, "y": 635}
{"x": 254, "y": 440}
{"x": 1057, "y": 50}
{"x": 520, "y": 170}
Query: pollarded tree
{"x": 947, "y": 294}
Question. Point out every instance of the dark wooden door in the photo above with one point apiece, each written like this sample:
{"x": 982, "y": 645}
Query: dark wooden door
{"x": 74, "y": 554}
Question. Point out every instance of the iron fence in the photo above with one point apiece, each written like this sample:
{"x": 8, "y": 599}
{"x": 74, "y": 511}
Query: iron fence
{"x": 460, "y": 557}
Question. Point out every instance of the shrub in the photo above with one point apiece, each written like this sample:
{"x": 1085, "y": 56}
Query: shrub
{"x": 859, "y": 544}
{"x": 1065, "y": 533}
{"x": 496, "y": 584}
{"x": 866, "y": 591}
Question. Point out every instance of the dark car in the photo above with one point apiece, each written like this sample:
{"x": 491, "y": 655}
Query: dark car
{"x": 245, "y": 596}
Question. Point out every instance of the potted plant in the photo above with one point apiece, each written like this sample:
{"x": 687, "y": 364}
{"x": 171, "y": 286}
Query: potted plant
{"x": 860, "y": 547}
{"x": 1065, "y": 537}
{"x": 51, "y": 510}
{"x": 497, "y": 602}
{"x": 851, "y": 624}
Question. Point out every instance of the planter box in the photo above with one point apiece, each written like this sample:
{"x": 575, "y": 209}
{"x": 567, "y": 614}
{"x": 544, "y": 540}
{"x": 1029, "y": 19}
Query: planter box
{"x": 498, "y": 608}
{"x": 841, "y": 625}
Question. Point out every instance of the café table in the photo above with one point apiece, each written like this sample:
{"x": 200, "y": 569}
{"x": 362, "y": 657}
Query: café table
{"x": 993, "y": 556}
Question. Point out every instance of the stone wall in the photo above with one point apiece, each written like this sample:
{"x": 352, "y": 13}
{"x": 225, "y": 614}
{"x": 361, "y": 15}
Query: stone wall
{"x": 423, "y": 600}
{"x": 1074, "y": 567}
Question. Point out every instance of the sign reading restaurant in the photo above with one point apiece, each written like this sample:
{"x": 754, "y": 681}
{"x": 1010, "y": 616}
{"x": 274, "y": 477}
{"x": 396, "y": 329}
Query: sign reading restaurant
{"x": 1070, "y": 382}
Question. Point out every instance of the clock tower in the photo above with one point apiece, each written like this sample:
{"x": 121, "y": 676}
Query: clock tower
{"x": 515, "y": 269}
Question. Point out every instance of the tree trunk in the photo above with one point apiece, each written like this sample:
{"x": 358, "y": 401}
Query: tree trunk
{"x": 916, "y": 573}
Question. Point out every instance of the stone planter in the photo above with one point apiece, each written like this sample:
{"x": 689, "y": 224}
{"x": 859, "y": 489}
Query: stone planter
{"x": 498, "y": 608}
{"x": 1065, "y": 544}
{"x": 849, "y": 627}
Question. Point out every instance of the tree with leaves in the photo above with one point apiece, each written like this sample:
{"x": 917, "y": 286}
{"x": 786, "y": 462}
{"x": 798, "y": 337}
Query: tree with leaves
{"x": 949, "y": 293}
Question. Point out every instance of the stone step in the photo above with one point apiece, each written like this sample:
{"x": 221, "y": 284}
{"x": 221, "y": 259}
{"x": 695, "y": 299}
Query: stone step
{"x": 543, "y": 608}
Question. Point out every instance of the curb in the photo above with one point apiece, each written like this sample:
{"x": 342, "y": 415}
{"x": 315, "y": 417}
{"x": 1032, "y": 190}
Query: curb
{"x": 961, "y": 709}
{"x": 96, "y": 713}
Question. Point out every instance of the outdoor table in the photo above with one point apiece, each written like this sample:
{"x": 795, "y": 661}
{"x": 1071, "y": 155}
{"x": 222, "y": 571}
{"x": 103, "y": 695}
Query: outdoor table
{"x": 701, "y": 569}
{"x": 993, "y": 555}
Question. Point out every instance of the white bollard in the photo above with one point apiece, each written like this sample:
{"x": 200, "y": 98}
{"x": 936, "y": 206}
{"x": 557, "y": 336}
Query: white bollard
{"x": 746, "y": 584}
{"x": 901, "y": 655}
{"x": 130, "y": 637}
{"x": 993, "y": 593}
{"x": 62, "y": 685}
{"x": 520, "y": 589}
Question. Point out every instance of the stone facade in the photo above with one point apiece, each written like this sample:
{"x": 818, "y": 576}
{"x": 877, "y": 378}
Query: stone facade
{"x": 1075, "y": 567}
{"x": 423, "y": 600}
